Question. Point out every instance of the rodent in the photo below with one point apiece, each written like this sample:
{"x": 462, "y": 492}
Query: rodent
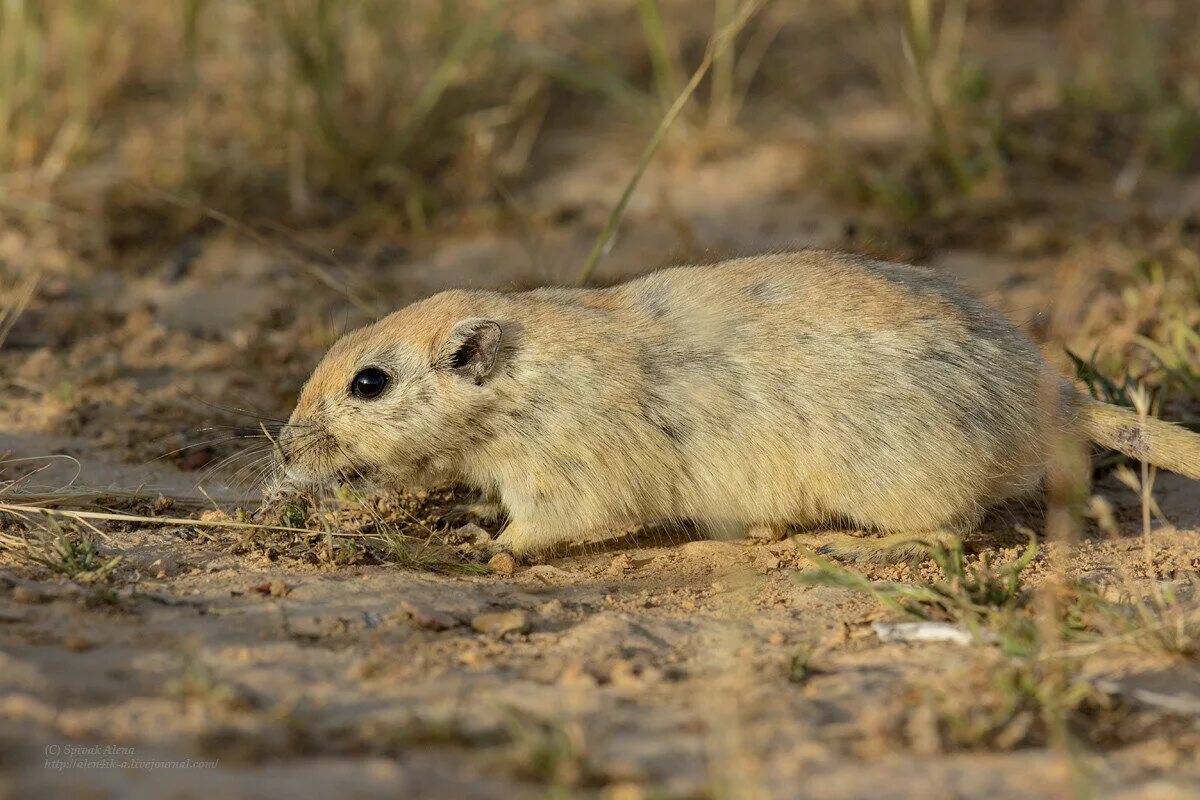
{"x": 756, "y": 394}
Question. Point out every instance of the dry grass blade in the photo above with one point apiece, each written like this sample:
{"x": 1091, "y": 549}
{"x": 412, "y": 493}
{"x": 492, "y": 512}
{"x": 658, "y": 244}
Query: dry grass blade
{"x": 721, "y": 96}
{"x": 475, "y": 35}
{"x": 14, "y": 543}
{"x": 407, "y": 551}
{"x": 717, "y": 45}
{"x": 21, "y": 510}
{"x": 9, "y": 315}
{"x": 53, "y": 69}
{"x": 666, "y": 81}
{"x": 18, "y": 490}
{"x": 97, "y": 498}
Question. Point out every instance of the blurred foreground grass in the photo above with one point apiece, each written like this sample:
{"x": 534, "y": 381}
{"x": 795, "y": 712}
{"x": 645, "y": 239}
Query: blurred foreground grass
{"x": 393, "y": 111}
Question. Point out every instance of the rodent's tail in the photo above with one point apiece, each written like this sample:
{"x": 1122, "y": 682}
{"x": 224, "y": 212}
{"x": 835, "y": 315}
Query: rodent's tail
{"x": 1162, "y": 444}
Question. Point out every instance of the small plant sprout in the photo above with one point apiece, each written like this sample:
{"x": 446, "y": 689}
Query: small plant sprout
{"x": 72, "y": 552}
{"x": 975, "y": 595}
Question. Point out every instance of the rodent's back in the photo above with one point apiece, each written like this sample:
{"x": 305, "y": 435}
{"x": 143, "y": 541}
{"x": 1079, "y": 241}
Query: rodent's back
{"x": 862, "y": 382}
{"x": 788, "y": 387}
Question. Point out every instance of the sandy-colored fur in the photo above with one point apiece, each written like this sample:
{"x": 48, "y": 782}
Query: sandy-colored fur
{"x": 763, "y": 392}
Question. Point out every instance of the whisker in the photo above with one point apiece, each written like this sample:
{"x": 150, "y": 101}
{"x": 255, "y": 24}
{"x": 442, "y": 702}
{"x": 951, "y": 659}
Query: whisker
{"x": 235, "y": 431}
{"x": 260, "y": 477}
{"x": 251, "y": 467}
{"x": 218, "y": 440}
{"x": 307, "y": 446}
{"x": 249, "y": 451}
{"x": 44, "y": 467}
{"x": 303, "y": 439}
{"x": 228, "y": 460}
{"x": 236, "y": 410}
{"x": 235, "y": 428}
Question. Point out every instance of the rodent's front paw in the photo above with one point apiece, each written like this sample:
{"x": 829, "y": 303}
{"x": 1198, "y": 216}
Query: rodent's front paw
{"x": 519, "y": 540}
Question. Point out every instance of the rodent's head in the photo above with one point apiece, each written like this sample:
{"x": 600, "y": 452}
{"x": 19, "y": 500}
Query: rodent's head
{"x": 394, "y": 400}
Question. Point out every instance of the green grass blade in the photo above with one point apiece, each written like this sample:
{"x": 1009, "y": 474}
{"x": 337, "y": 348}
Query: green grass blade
{"x": 717, "y": 45}
{"x": 481, "y": 31}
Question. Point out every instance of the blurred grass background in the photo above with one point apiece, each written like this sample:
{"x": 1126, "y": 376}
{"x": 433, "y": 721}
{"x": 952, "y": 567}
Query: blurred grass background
{"x": 315, "y": 109}
{"x": 123, "y": 126}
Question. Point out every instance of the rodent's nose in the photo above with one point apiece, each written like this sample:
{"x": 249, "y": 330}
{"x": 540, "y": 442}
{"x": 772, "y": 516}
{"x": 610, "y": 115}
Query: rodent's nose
{"x": 300, "y": 440}
{"x": 286, "y": 442}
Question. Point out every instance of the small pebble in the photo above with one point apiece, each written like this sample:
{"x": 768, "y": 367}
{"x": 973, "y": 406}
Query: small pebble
{"x": 269, "y": 589}
{"x": 627, "y": 675}
{"x": 546, "y": 573}
{"x": 503, "y": 564}
{"x": 620, "y": 563}
{"x": 428, "y": 618}
{"x": 77, "y": 644}
{"x": 551, "y": 608}
{"x": 501, "y": 622}
{"x": 577, "y": 675}
{"x": 623, "y": 791}
{"x": 472, "y": 534}
{"x": 23, "y": 594}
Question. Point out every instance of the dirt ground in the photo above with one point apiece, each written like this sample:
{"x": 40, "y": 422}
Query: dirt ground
{"x": 221, "y": 662}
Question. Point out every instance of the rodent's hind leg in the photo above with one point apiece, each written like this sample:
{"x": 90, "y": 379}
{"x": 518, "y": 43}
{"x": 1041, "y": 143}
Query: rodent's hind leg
{"x": 892, "y": 549}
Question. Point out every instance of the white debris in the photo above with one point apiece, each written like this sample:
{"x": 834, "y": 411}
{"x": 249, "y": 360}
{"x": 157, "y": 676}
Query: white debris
{"x": 1154, "y": 692}
{"x": 923, "y": 632}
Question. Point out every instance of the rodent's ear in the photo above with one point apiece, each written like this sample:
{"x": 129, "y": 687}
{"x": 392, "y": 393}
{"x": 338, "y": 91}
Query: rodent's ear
{"x": 471, "y": 349}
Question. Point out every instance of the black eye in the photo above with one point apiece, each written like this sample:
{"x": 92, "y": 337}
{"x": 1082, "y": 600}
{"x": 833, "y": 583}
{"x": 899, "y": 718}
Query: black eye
{"x": 369, "y": 383}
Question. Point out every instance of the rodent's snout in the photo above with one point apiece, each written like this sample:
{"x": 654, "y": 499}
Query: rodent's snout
{"x": 283, "y": 446}
{"x": 304, "y": 451}
{"x": 310, "y": 455}
{"x": 286, "y": 441}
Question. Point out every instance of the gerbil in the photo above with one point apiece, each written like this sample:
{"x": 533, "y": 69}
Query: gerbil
{"x": 754, "y": 395}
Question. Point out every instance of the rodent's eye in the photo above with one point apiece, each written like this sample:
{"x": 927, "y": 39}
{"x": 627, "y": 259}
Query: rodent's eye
{"x": 369, "y": 383}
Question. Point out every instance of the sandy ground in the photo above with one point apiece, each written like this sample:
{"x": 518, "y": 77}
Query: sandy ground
{"x": 653, "y": 666}
{"x": 661, "y": 668}
{"x": 645, "y": 665}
